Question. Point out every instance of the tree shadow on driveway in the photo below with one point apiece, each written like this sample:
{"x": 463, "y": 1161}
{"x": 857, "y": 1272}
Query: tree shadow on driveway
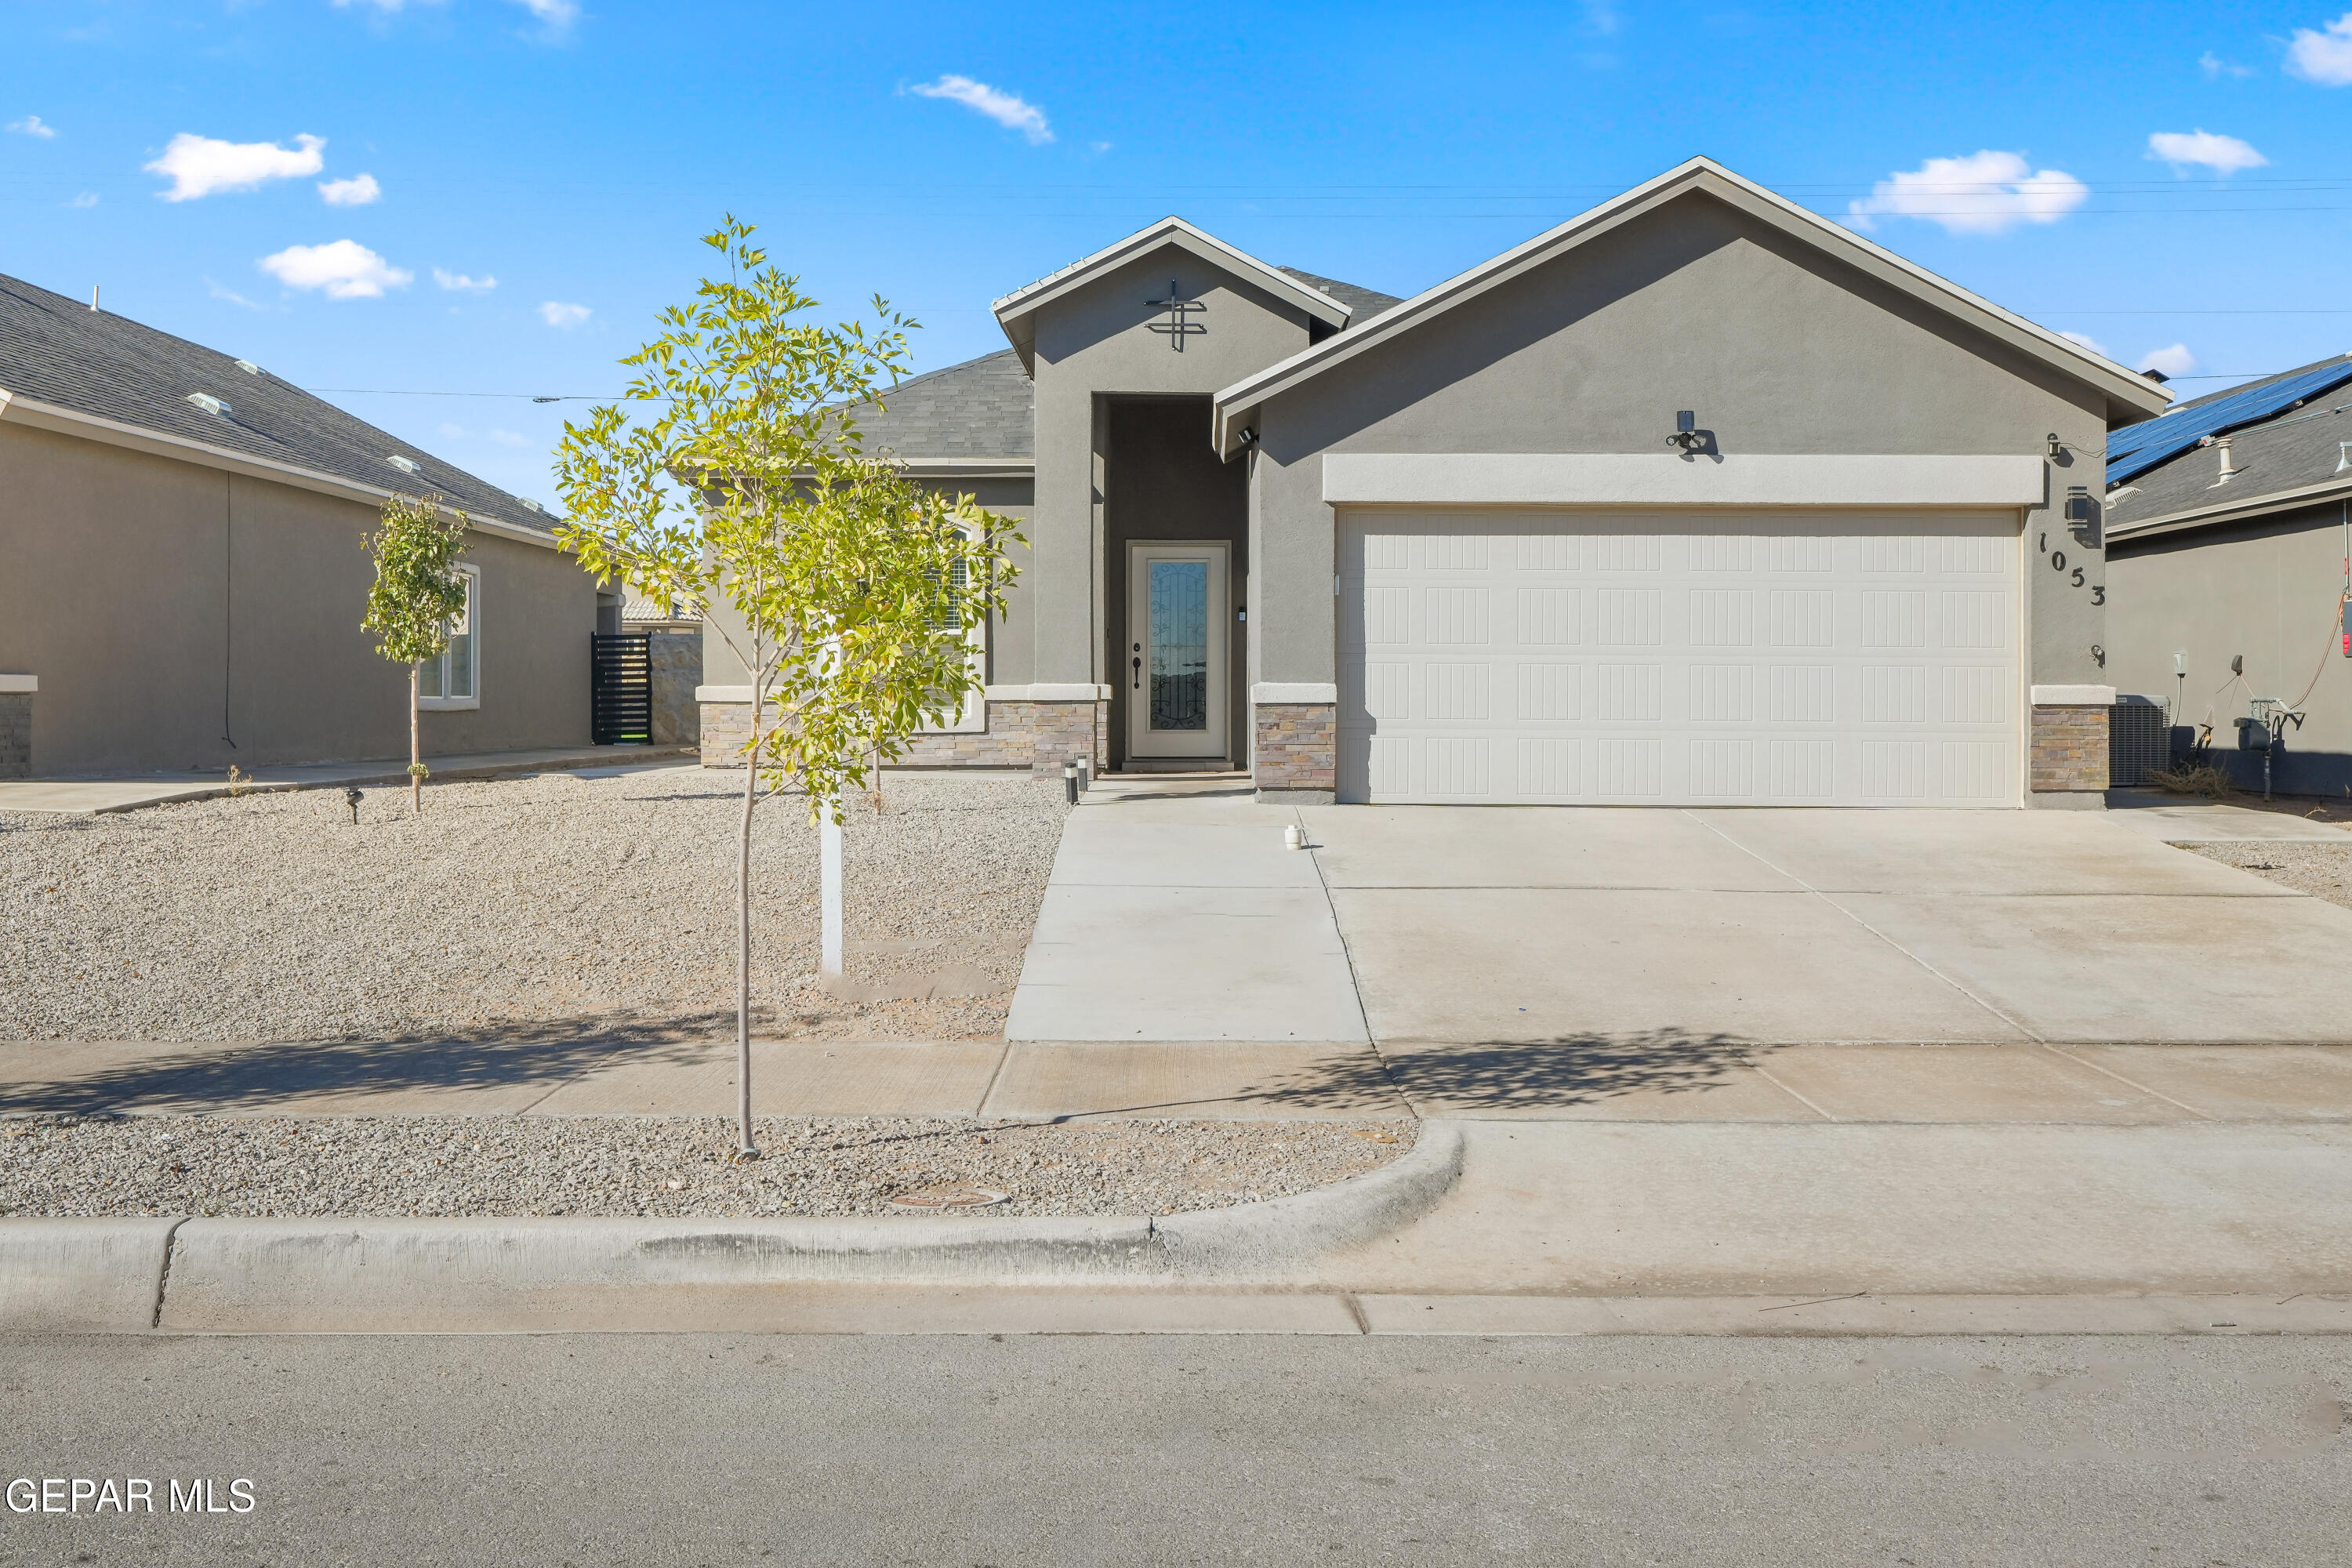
{"x": 1486, "y": 1076}
{"x": 521, "y": 1057}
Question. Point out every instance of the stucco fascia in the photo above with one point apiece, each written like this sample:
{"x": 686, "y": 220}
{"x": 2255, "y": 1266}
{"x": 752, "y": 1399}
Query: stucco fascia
{"x": 2130, "y": 397}
{"x": 1782, "y": 352}
{"x": 1641, "y": 478}
{"x": 38, "y": 415}
{"x": 1016, "y": 312}
{"x": 1096, "y": 342}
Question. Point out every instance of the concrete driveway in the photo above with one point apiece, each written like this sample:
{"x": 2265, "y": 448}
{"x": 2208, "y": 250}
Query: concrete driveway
{"x": 1698, "y": 928}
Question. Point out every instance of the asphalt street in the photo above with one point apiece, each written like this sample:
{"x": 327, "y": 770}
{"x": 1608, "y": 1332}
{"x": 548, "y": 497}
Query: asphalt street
{"x": 1111, "y": 1449}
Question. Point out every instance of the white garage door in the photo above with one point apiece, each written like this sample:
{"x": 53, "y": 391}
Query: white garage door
{"x": 1680, "y": 657}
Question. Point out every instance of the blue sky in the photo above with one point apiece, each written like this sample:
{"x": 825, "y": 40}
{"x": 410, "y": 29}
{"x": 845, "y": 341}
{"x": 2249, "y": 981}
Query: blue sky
{"x": 537, "y": 170}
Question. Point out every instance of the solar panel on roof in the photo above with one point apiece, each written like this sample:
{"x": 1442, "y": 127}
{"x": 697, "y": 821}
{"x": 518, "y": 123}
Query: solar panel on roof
{"x": 2136, "y": 448}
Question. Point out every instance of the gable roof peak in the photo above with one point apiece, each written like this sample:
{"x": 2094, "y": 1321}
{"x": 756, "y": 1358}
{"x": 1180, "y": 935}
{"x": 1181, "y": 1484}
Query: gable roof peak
{"x": 1016, "y": 312}
{"x": 2128, "y": 398}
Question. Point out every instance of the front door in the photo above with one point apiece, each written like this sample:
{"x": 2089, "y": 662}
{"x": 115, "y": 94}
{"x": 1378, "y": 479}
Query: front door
{"x": 1177, "y": 637}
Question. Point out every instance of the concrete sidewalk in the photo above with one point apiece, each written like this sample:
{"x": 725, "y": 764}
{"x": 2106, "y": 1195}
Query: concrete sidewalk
{"x": 128, "y": 792}
{"x": 1665, "y": 1079}
{"x": 1174, "y": 912}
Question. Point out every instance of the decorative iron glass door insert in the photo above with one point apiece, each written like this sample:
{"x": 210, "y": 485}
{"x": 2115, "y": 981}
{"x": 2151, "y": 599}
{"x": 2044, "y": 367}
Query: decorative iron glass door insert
{"x": 1179, "y": 630}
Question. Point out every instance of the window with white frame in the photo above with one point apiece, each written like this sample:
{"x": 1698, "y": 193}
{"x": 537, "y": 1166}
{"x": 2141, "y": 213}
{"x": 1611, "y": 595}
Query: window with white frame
{"x": 454, "y": 678}
{"x": 952, "y": 611}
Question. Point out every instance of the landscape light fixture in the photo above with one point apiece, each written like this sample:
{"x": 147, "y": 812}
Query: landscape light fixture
{"x": 353, "y": 797}
{"x": 1070, "y": 780}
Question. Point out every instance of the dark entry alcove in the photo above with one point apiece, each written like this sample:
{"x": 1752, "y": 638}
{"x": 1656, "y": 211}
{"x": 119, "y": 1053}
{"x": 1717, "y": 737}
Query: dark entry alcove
{"x": 1162, "y": 482}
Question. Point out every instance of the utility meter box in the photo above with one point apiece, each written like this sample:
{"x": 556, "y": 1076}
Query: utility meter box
{"x": 2253, "y": 735}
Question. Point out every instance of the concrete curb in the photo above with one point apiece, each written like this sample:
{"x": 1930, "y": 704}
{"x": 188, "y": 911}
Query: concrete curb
{"x": 362, "y": 1275}
{"x": 1270, "y": 1240}
{"x": 105, "y": 1275}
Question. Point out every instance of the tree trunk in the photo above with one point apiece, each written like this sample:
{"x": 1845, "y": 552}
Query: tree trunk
{"x": 415, "y": 757}
{"x": 749, "y": 1150}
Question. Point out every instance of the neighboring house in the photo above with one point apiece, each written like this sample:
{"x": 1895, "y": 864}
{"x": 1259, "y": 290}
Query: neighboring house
{"x": 674, "y": 667}
{"x": 2229, "y": 557}
{"x": 184, "y": 568}
{"x": 1698, "y": 498}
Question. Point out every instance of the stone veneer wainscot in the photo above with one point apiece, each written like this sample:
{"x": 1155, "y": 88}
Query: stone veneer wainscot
{"x": 1015, "y": 732}
{"x": 17, "y": 726}
{"x": 1295, "y": 749}
{"x": 2069, "y": 747}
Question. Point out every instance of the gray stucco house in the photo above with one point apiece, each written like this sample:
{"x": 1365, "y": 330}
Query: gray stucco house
{"x": 2229, "y": 558}
{"x": 1696, "y": 498}
{"x": 182, "y": 569}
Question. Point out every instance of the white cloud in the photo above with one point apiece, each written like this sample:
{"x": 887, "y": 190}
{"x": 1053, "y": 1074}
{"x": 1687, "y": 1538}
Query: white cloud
{"x": 556, "y": 313}
{"x": 2203, "y": 149}
{"x": 1601, "y": 16}
{"x": 558, "y": 14}
{"x": 1984, "y": 192}
{"x": 452, "y": 432}
{"x": 199, "y": 166}
{"x": 2085, "y": 340}
{"x": 31, "y": 126}
{"x": 507, "y": 438}
{"x": 2324, "y": 57}
{"x": 232, "y": 296}
{"x": 356, "y": 191}
{"x": 2215, "y": 66}
{"x": 345, "y": 269}
{"x": 1004, "y": 108}
{"x": 2175, "y": 361}
{"x": 87, "y": 199}
{"x": 459, "y": 282}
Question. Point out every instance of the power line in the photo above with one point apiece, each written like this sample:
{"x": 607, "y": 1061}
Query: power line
{"x": 414, "y": 392}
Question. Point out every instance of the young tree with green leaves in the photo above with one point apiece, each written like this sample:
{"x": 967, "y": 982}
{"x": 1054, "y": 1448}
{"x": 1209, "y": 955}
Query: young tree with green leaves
{"x": 734, "y": 475}
{"x": 418, "y": 597}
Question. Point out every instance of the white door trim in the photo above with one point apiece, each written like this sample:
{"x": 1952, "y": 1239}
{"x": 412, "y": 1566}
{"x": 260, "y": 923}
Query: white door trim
{"x": 1208, "y": 743}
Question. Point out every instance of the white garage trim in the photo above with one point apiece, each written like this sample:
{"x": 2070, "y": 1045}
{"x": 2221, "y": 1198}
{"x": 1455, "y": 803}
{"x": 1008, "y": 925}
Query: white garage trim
{"x": 1699, "y": 657}
{"x": 1641, "y": 478}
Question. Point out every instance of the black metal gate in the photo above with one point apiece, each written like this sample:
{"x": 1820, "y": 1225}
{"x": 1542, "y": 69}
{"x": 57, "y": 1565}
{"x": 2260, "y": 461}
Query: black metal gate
{"x": 621, "y": 688}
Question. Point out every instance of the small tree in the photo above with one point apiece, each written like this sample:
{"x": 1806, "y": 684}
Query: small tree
{"x": 418, "y": 597}
{"x": 746, "y": 484}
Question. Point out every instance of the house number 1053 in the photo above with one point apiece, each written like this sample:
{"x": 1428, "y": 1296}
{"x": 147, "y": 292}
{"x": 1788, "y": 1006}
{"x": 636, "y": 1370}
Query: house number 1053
{"x": 2058, "y": 563}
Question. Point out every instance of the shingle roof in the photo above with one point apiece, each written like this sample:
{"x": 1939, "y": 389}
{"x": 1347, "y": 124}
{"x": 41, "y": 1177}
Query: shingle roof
{"x": 1362, "y": 304}
{"x": 2297, "y": 447}
{"x": 56, "y": 349}
{"x": 983, "y": 408}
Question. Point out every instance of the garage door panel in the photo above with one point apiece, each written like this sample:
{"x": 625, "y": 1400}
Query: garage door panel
{"x": 1767, "y": 658}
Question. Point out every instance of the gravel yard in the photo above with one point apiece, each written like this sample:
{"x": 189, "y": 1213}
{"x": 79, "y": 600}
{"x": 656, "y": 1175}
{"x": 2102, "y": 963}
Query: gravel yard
{"x": 2322, "y": 870}
{"x": 548, "y": 900}
{"x": 359, "y": 1167}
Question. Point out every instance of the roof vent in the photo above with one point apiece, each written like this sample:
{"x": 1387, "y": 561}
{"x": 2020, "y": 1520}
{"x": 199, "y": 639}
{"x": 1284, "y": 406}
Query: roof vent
{"x": 2222, "y": 445}
{"x": 405, "y": 465}
{"x": 209, "y": 403}
{"x": 530, "y": 505}
{"x": 247, "y": 366}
